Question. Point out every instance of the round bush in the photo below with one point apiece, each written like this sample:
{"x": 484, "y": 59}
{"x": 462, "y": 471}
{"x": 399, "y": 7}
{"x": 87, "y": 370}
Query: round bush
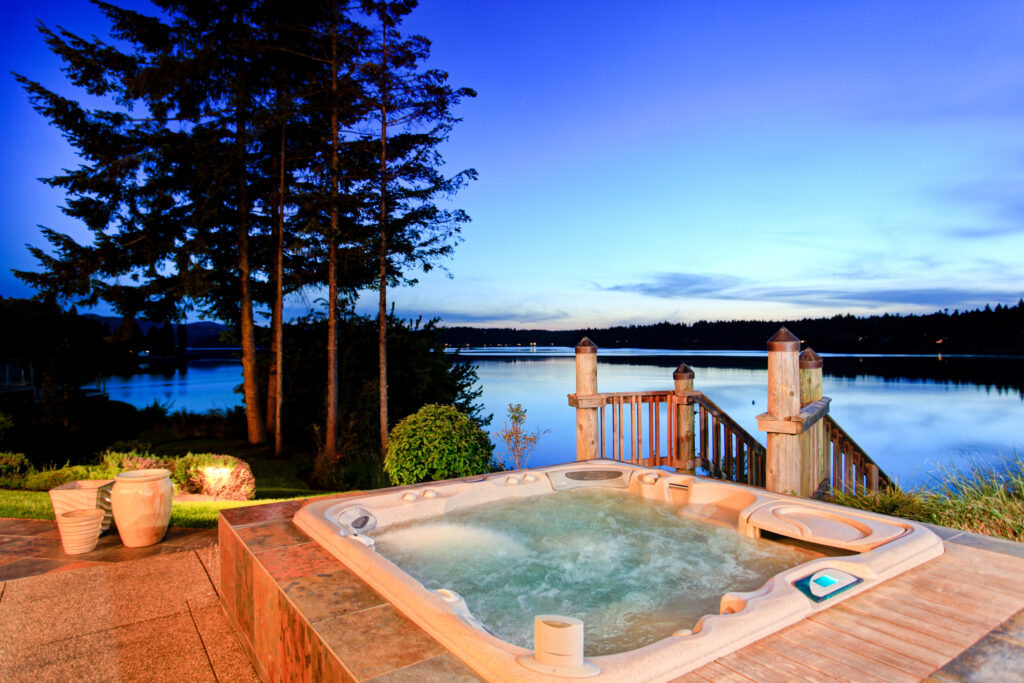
{"x": 436, "y": 442}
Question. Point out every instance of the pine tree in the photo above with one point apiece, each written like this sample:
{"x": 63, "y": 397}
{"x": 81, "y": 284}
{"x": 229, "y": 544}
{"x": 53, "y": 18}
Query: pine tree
{"x": 412, "y": 110}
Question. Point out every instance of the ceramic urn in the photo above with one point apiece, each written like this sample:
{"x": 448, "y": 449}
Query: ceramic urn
{"x": 141, "y": 501}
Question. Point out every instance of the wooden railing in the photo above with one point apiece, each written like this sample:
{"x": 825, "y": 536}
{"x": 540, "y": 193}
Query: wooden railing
{"x": 643, "y": 428}
{"x": 727, "y": 451}
{"x": 685, "y": 430}
{"x": 850, "y": 470}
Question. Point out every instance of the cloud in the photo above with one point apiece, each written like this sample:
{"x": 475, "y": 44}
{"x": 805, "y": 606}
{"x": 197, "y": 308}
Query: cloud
{"x": 731, "y": 288}
{"x": 495, "y": 317}
{"x": 682, "y": 285}
{"x": 999, "y": 201}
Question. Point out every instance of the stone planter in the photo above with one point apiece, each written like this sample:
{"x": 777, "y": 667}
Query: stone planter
{"x": 141, "y": 501}
{"x": 81, "y": 495}
{"x": 79, "y": 530}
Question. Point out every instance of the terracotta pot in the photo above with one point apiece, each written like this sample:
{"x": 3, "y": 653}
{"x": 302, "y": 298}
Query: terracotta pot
{"x": 79, "y": 530}
{"x": 81, "y": 495}
{"x": 142, "y": 506}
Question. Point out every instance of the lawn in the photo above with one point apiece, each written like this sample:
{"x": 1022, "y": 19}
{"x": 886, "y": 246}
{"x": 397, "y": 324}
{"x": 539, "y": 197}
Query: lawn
{"x": 276, "y": 480}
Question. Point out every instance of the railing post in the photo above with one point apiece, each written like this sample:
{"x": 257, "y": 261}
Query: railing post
{"x": 586, "y": 384}
{"x": 685, "y": 447}
{"x": 813, "y": 440}
{"x": 783, "y": 466}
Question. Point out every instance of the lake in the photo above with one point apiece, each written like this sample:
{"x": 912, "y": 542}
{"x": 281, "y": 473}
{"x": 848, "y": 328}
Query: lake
{"x": 912, "y": 414}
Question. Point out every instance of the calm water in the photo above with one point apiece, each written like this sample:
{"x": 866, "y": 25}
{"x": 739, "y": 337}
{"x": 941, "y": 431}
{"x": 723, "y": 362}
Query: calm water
{"x": 910, "y": 413}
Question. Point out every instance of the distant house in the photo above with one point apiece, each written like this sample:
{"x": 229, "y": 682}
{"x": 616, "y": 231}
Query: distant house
{"x": 16, "y": 376}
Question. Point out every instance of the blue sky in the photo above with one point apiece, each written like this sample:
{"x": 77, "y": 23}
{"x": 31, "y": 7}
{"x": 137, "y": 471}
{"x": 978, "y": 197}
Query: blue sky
{"x": 681, "y": 160}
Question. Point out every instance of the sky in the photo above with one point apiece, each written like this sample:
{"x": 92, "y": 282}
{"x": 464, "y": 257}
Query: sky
{"x": 680, "y": 161}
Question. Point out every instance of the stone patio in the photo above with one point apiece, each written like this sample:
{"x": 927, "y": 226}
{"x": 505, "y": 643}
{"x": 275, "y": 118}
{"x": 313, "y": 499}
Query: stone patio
{"x": 155, "y": 614}
{"x": 116, "y": 613}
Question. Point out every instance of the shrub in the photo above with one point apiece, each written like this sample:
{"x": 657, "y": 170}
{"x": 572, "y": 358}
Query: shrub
{"x": 436, "y": 442}
{"x": 5, "y": 424}
{"x": 519, "y": 444}
{"x": 223, "y": 476}
{"x": 13, "y": 464}
{"x": 51, "y": 479}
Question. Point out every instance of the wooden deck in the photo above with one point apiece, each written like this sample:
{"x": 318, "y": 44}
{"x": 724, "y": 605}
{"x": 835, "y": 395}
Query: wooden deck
{"x": 904, "y": 630}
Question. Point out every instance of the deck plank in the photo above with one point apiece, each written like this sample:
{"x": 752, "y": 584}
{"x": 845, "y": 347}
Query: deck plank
{"x": 996, "y": 582}
{"x": 715, "y": 671}
{"x": 855, "y": 653}
{"x": 981, "y": 613}
{"x": 885, "y": 634}
{"x": 761, "y": 664}
{"x": 819, "y": 661}
{"x": 914, "y": 615}
{"x": 976, "y": 599}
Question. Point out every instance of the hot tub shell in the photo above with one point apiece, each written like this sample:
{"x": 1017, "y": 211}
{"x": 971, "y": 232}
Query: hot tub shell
{"x": 881, "y": 547}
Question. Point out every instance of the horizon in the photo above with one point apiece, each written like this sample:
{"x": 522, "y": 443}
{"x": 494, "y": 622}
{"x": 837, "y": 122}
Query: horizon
{"x": 707, "y": 163}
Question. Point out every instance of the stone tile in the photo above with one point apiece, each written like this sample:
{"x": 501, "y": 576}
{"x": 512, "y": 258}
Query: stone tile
{"x": 990, "y": 659}
{"x": 298, "y": 561}
{"x": 320, "y": 597}
{"x": 190, "y": 539}
{"x": 103, "y": 543}
{"x": 1012, "y": 630}
{"x": 81, "y": 564}
{"x": 209, "y": 556}
{"x": 254, "y": 514}
{"x": 26, "y": 545}
{"x": 164, "y": 649}
{"x": 236, "y": 579}
{"x": 441, "y": 669}
{"x": 28, "y": 527}
{"x": 31, "y": 566}
{"x": 63, "y": 605}
{"x": 286, "y": 645}
{"x": 996, "y": 545}
{"x": 270, "y": 535}
{"x": 376, "y": 641}
{"x": 119, "y": 553}
{"x": 226, "y": 655}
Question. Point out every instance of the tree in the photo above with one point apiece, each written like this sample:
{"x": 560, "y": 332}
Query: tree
{"x": 519, "y": 444}
{"x": 165, "y": 185}
{"x": 412, "y": 109}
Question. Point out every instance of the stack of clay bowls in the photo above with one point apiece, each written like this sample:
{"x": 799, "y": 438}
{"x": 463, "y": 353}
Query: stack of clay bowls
{"x": 79, "y": 530}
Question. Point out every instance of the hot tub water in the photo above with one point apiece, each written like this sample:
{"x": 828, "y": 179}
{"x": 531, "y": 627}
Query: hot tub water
{"x": 631, "y": 569}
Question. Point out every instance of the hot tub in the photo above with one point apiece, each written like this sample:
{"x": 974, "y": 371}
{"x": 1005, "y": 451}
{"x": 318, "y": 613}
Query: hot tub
{"x": 827, "y": 553}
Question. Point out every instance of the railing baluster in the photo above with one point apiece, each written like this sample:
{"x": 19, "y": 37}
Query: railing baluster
{"x": 729, "y": 473}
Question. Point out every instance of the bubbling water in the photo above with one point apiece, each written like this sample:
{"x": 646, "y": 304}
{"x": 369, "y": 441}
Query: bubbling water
{"x": 630, "y": 568}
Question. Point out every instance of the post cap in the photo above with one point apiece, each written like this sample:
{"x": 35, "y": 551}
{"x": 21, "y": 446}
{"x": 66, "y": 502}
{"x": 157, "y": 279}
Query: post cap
{"x": 586, "y": 346}
{"x": 783, "y": 340}
{"x": 684, "y": 371}
{"x": 809, "y": 360}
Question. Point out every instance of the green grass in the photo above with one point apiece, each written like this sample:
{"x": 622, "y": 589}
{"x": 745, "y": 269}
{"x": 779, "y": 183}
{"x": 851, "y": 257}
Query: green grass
{"x": 276, "y": 480}
{"x": 973, "y": 497}
{"x": 25, "y": 504}
{"x": 191, "y": 514}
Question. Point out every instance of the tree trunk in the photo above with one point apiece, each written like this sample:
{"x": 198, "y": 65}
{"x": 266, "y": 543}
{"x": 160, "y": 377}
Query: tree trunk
{"x": 250, "y": 376}
{"x": 278, "y": 315}
{"x": 382, "y": 273}
{"x": 331, "y": 426}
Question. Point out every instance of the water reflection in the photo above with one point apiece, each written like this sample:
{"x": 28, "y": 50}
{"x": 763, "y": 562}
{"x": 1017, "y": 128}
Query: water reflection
{"x": 910, "y": 413}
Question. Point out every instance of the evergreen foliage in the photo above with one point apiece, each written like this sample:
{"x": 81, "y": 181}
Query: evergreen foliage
{"x": 235, "y": 159}
{"x": 988, "y": 330}
{"x": 435, "y": 443}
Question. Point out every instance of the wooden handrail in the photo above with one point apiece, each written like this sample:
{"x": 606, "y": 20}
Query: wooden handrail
{"x": 852, "y": 469}
{"x": 726, "y": 450}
